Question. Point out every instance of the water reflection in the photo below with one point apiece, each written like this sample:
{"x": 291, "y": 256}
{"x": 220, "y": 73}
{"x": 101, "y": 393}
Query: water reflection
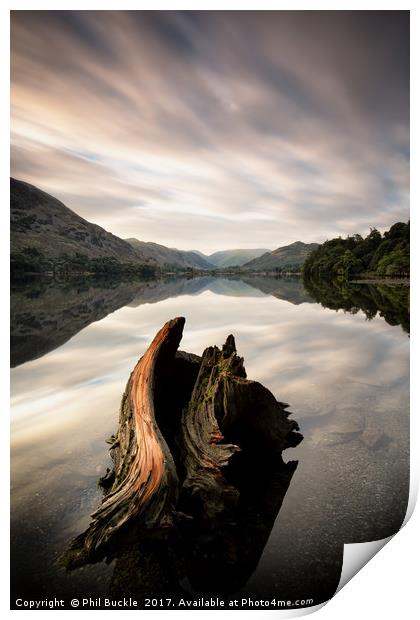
{"x": 390, "y": 302}
{"x": 46, "y": 314}
{"x": 346, "y": 379}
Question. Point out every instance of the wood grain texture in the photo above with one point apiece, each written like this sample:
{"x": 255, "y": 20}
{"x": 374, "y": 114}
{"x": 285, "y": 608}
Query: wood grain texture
{"x": 145, "y": 482}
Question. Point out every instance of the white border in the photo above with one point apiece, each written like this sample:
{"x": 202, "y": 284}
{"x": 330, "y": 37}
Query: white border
{"x": 387, "y": 586}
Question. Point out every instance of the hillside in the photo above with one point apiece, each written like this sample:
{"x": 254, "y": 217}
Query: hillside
{"x": 43, "y": 223}
{"x": 48, "y": 236}
{"x": 293, "y": 255}
{"x": 169, "y": 257}
{"x": 234, "y": 258}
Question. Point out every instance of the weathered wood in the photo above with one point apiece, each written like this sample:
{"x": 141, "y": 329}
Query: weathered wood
{"x": 196, "y": 446}
{"x": 227, "y": 413}
{"x": 203, "y": 454}
{"x": 145, "y": 480}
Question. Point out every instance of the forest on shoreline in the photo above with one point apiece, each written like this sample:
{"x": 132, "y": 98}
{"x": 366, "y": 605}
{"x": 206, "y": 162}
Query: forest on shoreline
{"x": 375, "y": 255}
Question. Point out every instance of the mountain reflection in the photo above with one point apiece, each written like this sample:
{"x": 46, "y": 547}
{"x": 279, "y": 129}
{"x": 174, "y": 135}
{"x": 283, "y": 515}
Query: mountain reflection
{"x": 46, "y": 314}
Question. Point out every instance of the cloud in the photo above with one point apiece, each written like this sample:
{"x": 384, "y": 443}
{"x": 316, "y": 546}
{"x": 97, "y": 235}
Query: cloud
{"x": 213, "y": 129}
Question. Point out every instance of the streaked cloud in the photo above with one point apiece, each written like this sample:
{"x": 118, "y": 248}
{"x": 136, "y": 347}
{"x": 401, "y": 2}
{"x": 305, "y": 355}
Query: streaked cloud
{"x": 215, "y": 129}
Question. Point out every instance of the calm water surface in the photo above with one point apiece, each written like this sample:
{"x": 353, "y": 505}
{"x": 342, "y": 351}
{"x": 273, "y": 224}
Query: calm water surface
{"x": 346, "y": 379}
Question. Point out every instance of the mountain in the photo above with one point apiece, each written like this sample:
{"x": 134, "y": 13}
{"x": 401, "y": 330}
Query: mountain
{"x": 42, "y": 223}
{"x": 234, "y": 258}
{"x": 45, "y": 232}
{"x": 170, "y": 257}
{"x": 294, "y": 254}
{"x": 46, "y": 235}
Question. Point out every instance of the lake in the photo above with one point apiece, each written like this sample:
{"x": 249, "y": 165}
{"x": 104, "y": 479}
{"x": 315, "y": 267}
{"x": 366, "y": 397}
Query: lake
{"x": 339, "y": 357}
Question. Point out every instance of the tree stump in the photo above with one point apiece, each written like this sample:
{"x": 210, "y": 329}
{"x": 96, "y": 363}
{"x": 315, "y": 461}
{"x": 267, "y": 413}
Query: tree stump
{"x": 185, "y": 423}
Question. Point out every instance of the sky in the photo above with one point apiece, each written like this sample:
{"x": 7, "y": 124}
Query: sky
{"x": 215, "y": 130}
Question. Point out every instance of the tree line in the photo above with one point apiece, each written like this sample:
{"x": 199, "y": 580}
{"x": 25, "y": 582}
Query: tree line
{"x": 32, "y": 261}
{"x": 375, "y": 254}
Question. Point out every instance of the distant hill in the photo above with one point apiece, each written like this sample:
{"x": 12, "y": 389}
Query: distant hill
{"x": 234, "y": 258}
{"x": 170, "y": 257}
{"x": 199, "y": 253}
{"x": 294, "y": 254}
{"x": 46, "y": 235}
